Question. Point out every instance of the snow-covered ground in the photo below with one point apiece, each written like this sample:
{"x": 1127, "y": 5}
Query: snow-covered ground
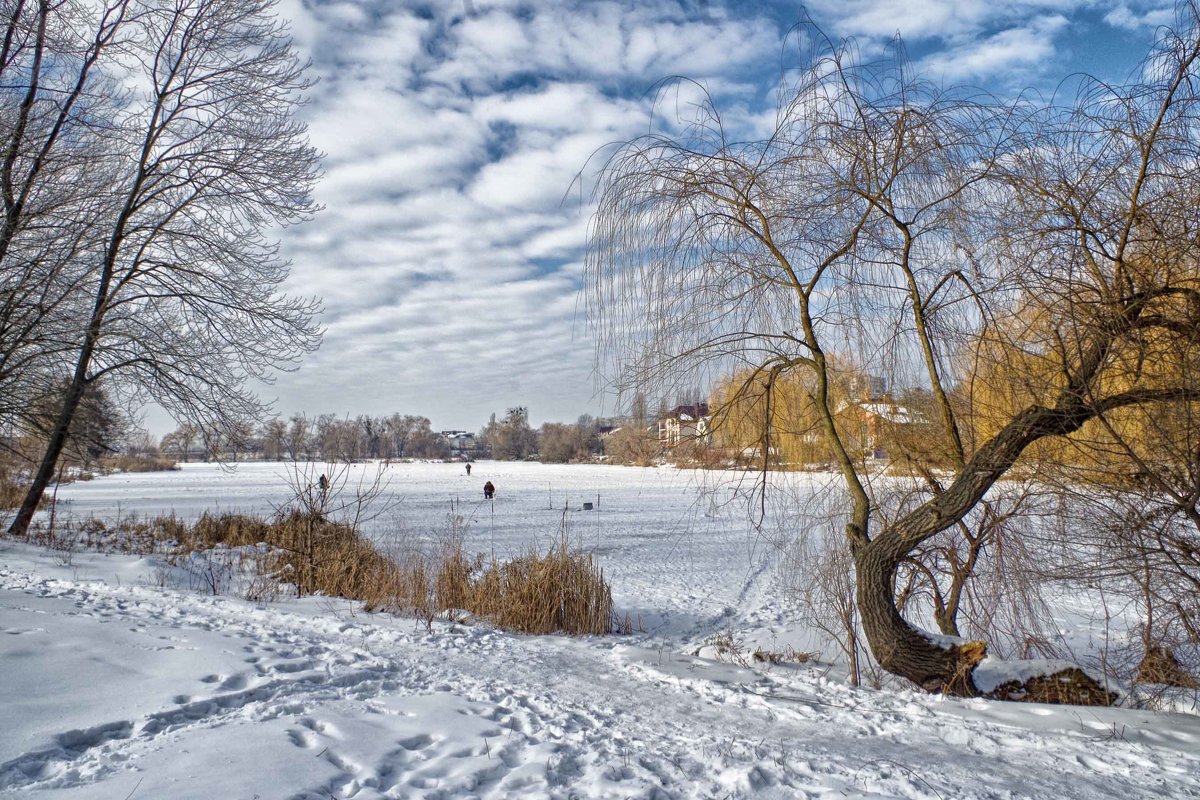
{"x": 114, "y": 687}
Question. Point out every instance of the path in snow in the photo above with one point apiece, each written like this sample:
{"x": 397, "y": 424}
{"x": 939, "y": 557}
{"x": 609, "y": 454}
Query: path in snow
{"x": 114, "y": 691}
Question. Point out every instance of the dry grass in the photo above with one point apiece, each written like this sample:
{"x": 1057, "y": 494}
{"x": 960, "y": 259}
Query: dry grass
{"x": 788, "y": 655}
{"x": 138, "y": 463}
{"x": 310, "y": 552}
{"x": 727, "y": 647}
{"x": 1070, "y": 686}
{"x": 1160, "y": 666}
{"x": 561, "y": 591}
{"x": 12, "y": 491}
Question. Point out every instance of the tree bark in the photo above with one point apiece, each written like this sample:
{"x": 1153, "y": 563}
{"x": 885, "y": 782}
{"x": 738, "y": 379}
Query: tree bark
{"x": 54, "y": 448}
{"x": 900, "y": 648}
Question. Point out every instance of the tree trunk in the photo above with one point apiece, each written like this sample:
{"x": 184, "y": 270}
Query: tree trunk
{"x": 54, "y": 448}
{"x": 900, "y": 648}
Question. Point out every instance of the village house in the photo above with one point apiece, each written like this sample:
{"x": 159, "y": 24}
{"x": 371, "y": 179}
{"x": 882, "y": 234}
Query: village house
{"x": 462, "y": 444}
{"x": 880, "y": 418}
{"x": 687, "y": 423}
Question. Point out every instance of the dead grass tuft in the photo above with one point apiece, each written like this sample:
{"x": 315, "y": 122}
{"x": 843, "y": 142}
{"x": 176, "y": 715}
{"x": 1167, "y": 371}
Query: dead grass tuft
{"x": 1070, "y": 686}
{"x": 1160, "y": 666}
{"x": 561, "y": 591}
{"x": 788, "y": 655}
{"x": 138, "y": 463}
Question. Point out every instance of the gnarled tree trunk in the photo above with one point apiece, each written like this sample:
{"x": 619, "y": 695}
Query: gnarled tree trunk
{"x": 900, "y": 648}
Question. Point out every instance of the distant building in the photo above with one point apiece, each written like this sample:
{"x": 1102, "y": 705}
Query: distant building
{"x": 462, "y": 444}
{"x": 881, "y": 421}
{"x": 869, "y": 388}
{"x": 684, "y": 424}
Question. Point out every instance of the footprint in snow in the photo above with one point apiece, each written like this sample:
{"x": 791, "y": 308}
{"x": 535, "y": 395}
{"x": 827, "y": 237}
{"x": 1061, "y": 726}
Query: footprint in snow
{"x": 418, "y": 742}
{"x": 303, "y": 739}
{"x": 323, "y": 728}
{"x": 233, "y": 683}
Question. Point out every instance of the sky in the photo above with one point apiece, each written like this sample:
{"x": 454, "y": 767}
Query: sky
{"x": 462, "y": 138}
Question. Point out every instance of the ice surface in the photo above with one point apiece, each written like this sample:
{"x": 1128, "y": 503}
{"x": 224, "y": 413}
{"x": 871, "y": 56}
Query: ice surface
{"x": 112, "y": 687}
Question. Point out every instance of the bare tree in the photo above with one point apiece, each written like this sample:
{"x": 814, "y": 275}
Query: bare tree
{"x": 202, "y": 155}
{"x": 274, "y": 435}
{"x": 299, "y": 433}
{"x": 511, "y": 439}
{"x": 179, "y": 441}
{"x": 918, "y": 228}
{"x": 52, "y": 179}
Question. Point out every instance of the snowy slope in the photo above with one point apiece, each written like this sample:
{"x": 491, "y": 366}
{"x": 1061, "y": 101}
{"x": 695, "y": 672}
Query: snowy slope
{"x": 112, "y": 687}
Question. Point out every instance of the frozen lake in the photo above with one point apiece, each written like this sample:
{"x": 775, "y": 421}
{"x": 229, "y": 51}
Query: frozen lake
{"x": 680, "y": 547}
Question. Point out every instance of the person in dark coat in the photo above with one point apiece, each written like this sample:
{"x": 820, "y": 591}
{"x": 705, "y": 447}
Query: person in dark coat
{"x": 468, "y": 467}
{"x": 488, "y": 490}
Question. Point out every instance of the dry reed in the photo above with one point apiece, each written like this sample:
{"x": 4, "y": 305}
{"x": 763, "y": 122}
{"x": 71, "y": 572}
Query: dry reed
{"x": 12, "y": 491}
{"x": 125, "y": 462}
{"x": 561, "y": 591}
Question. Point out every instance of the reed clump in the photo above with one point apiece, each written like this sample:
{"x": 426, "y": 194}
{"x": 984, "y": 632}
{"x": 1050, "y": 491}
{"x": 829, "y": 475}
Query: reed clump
{"x": 560, "y": 591}
{"x": 12, "y": 490}
{"x": 309, "y": 552}
{"x": 128, "y": 462}
{"x": 314, "y": 554}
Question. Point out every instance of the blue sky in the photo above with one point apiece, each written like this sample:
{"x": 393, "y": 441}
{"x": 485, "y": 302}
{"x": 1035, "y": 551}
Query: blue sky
{"x": 449, "y": 254}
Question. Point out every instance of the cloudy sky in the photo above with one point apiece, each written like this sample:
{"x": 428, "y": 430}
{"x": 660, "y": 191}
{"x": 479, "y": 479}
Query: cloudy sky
{"x": 458, "y": 134}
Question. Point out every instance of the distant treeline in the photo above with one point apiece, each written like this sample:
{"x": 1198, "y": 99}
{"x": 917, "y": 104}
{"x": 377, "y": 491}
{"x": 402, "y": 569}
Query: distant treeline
{"x": 329, "y": 437}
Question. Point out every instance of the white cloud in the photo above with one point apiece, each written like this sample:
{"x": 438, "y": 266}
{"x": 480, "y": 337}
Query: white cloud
{"x": 949, "y": 20}
{"x": 449, "y": 254}
{"x": 1141, "y": 15}
{"x": 1015, "y": 47}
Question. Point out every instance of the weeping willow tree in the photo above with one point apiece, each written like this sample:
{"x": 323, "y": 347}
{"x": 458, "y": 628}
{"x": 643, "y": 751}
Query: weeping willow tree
{"x": 904, "y": 223}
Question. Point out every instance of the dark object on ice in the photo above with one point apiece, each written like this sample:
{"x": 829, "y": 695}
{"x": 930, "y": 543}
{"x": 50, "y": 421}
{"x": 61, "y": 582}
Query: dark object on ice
{"x": 468, "y": 467}
{"x": 587, "y": 506}
{"x": 488, "y": 490}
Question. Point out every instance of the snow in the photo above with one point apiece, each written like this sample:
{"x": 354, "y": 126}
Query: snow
{"x": 112, "y": 686}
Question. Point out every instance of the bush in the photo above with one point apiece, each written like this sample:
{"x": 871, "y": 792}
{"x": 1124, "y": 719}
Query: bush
{"x": 138, "y": 463}
{"x": 562, "y": 591}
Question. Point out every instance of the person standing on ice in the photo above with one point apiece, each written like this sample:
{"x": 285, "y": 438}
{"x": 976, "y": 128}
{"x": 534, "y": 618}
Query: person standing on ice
{"x": 468, "y": 469}
{"x": 488, "y": 490}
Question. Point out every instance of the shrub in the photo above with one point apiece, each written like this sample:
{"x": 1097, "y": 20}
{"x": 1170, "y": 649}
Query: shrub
{"x": 138, "y": 463}
{"x": 562, "y": 591}
{"x": 12, "y": 491}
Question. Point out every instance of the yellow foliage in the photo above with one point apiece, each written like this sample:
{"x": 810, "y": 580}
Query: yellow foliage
{"x": 1028, "y": 360}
